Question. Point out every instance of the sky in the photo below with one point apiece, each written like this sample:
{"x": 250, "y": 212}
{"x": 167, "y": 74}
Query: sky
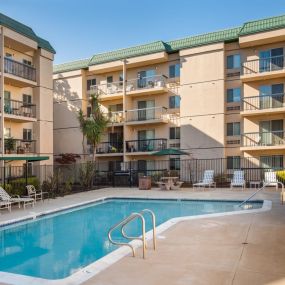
{"x": 78, "y": 29}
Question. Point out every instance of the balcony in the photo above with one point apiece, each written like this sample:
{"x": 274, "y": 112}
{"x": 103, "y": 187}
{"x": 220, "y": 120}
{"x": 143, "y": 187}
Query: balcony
{"x": 134, "y": 87}
{"x": 18, "y": 146}
{"x": 115, "y": 118}
{"x": 109, "y": 149}
{"x": 263, "y": 141}
{"x": 263, "y": 68}
{"x": 146, "y": 85}
{"x": 151, "y": 115}
{"x": 144, "y": 146}
{"x": 19, "y": 69}
{"x": 19, "y": 111}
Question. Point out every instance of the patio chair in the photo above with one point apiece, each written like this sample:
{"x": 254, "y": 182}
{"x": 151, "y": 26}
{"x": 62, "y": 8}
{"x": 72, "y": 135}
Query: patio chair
{"x": 5, "y": 197}
{"x": 36, "y": 195}
{"x": 270, "y": 179}
{"x": 5, "y": 205}
{"x": 238, "y": 179}
{"x": 208, "y": 180}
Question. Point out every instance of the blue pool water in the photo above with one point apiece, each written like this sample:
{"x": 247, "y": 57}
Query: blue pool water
{"x": 55, "y": 246}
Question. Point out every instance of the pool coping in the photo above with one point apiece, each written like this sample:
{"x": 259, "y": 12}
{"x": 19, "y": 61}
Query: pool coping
{"x": 103, "y": 263}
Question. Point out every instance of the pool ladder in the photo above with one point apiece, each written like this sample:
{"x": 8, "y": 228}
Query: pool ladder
{"x": 122, "y": 224}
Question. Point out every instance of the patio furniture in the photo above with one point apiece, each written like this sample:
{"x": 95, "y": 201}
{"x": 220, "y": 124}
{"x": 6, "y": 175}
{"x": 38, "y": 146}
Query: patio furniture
{"x": 254, "y": 184}
{"x": 36, "y": 195}
{"x": 238, "y": 179}
{"x": 169, "y": 183}
{"x": 5, "y": 205}
{"x": 4, "y": 196}
{"x": 208, "y": 180}
{"x": 270, "y": 179}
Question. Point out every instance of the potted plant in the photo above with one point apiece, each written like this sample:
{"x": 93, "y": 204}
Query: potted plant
{"x": 9, "y": 144}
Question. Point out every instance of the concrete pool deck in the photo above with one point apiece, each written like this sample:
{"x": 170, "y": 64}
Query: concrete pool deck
{"x": 238, "y": 249}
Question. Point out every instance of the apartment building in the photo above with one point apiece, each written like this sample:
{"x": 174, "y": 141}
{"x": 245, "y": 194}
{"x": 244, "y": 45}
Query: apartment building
{"x": 215, "y": 95}
{"x": 26, "y": 131}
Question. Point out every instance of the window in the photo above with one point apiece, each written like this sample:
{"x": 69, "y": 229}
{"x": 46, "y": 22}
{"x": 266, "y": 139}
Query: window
{"x": 174, "y": 70}
{"x": 27, "y": 62}
{"x": 272, "y": 59}
{"x": 121, "y": 78}
{"x": 233, "y": 162}
{"x": 27, "y": 99}
{"x": 233, "y": 95}
{"x": 174, "y": 133}
{"x": 27, "y": 134}
{"x": 90, "y": 82}
{"x": 7, "y": 132}
{"x": 174, "y": 101}
{"x": 233, "y": 129}
{"x": 174, "y": 163}
{"x": 233, "y": 61}
{"x": 109, "y": 79}
{"x": 272, "y": 162}
{"x": 29, "y": 168}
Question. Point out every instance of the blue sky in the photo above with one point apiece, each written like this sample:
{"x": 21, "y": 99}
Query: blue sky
{"x": 79, "y": 28}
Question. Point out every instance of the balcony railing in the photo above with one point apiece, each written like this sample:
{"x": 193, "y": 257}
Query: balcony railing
{"x": 263, "y": 102}
{"x": 263, "y": 65}
{"x": 146, "y": 114}
{"x": 19, "y": 108}
{"x": 156, "y": 81}
{"x": 115, "y": 117}
{"x": 19, "y": 69}
{"x": 146, "y": 145}
{"x": 109, "y": 147}
{"x": 19, "y": 146}
{"x": 257, "y": 139}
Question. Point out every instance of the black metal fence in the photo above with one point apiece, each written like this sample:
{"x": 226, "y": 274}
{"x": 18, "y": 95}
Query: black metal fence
{"x": 72, "y": 178}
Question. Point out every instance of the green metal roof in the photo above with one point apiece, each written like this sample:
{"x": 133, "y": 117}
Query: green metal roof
{"x": 70, "y": 66}
{"x": 29, "y": 158}
{"x": 24, "y": 30}
{"x": 262, "y": 25}
{"x": 227, "y": 35}
{"x": 128, "y": 52}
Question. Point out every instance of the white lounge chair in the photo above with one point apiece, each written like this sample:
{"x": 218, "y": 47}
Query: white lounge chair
{"x": 238, "y": 179}
{"x": 270, "y": 179}
{"x": 36, "y": 195}
{"x": 4, "y": 196}
{"x": 208, "y": 180}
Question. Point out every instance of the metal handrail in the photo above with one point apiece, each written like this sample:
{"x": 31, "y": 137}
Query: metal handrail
{"x": 127, "y": 220}
{"x": 260, "y": 189}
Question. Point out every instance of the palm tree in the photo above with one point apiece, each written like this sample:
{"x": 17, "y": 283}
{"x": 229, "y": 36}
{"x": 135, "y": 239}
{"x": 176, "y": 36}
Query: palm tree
{"x": 94, "y": 126}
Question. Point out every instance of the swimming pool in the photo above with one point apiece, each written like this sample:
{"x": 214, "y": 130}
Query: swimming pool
{"x": 57, "y": 245}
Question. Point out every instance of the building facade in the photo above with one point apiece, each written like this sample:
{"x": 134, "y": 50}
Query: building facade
{"x": 216, "y": 95}
{"x": 27, "y": 88}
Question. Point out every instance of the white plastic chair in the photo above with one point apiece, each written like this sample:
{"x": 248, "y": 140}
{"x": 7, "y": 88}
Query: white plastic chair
{"x": 4, "y": 196}
{"x": 208, "y": 180}
{"x": 33, "y": 193}
{"x": 270, "y": 179}
{"x": 238, "y": 179}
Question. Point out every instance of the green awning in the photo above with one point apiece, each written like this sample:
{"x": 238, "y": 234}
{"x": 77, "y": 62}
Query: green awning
{"x": 170, "y": 151}
{"x": 26, "y": 158}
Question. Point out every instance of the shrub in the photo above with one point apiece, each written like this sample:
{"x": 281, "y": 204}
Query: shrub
{"x": 7, "y": 187}
{"x": 18, "y": 186}
{"x": 281, "y": 175}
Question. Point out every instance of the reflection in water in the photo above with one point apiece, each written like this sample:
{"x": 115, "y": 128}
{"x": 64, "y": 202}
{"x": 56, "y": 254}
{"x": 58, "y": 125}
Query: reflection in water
{"x": 56, "y": 246}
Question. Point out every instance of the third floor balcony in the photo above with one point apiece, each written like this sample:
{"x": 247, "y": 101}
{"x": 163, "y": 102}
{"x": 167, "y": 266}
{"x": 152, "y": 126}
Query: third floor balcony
{"x": 263, "y": 104}
{"x": 21, "y": 73}
{"x": 263, "y": 68}
{"x": 147, "y": 145}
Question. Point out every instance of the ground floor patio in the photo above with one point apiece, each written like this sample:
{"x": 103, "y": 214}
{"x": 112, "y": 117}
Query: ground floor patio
{"x": 238, "y": 249}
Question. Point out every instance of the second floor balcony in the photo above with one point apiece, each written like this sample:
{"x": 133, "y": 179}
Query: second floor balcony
{"x": 110, "y": 148}
{"x": 19, "y": 69}
{"x": 147, "y": 145}
{"x": 147, "y": 116}
{"x": 19, "y": 146}
{"x": 19, "y": 110}
{"x": 115, "y": 118}
{"x": 263, "y": 140}
{"x": 263, "y": 68}
{"x": 263, "y": 104}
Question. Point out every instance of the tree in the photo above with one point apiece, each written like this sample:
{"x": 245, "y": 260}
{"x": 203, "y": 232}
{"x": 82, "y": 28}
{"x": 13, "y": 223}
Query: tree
{"x": 94, "y": 126}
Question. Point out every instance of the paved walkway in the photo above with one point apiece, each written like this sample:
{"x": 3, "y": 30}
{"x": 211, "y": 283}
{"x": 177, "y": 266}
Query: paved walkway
{"x": 244, "y": 249}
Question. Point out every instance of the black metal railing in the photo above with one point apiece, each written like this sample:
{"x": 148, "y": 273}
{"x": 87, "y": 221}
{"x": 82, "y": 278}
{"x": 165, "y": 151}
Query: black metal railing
{"x": 263, "y": 65}
{"x": 19, "y": 108}
{"x": 18, "y": 146}
{"x": 263, "y": 102}
{"x": 19, "y": 69}
{"x": 109, "y": 147}
{"x": 146, "y": 145}
{"x": 273, "y": 138}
